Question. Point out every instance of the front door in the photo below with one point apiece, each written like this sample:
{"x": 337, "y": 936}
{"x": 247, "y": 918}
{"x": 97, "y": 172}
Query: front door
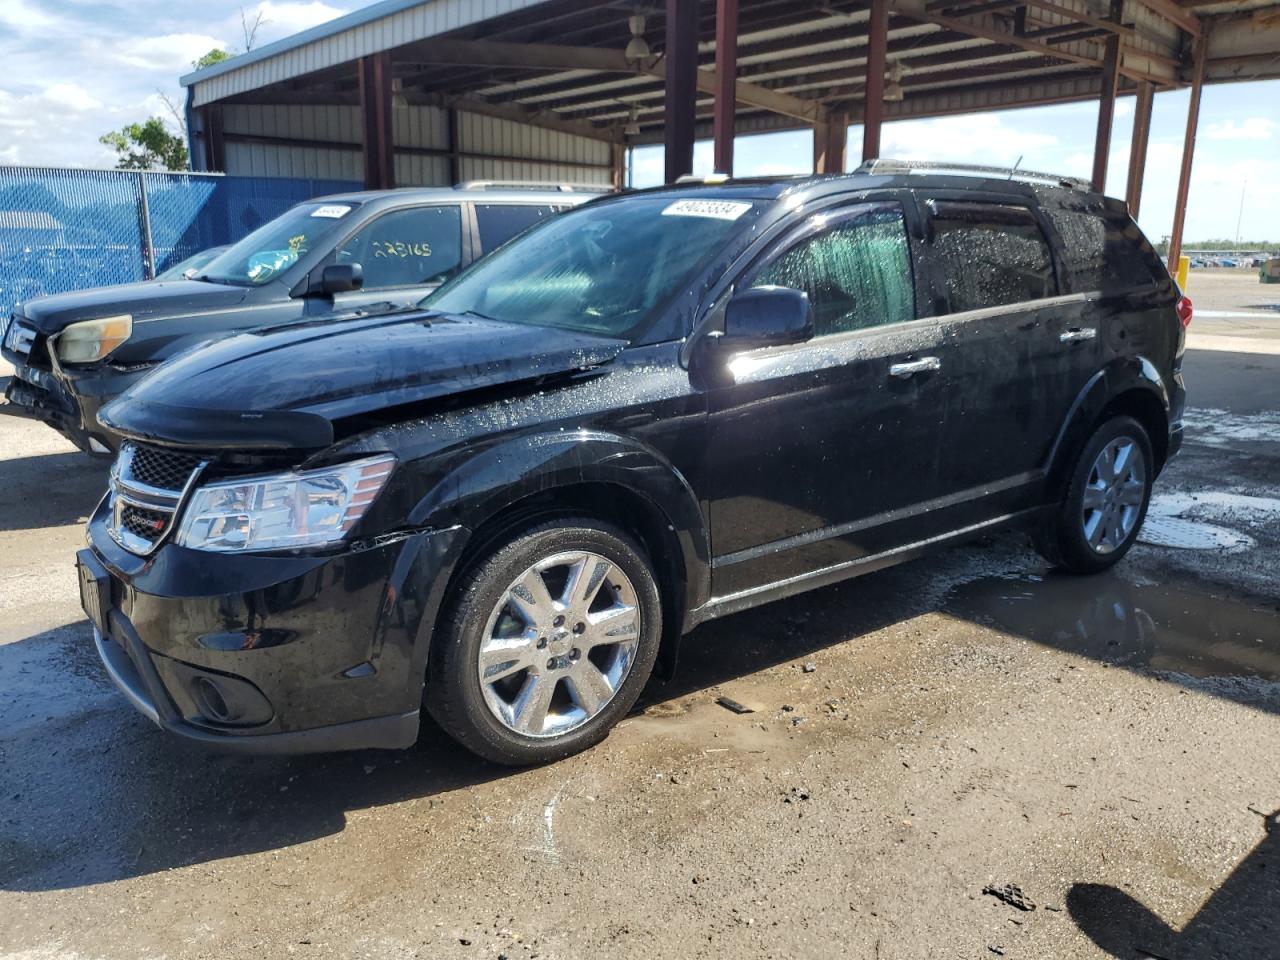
{"x": 822, "y": 453}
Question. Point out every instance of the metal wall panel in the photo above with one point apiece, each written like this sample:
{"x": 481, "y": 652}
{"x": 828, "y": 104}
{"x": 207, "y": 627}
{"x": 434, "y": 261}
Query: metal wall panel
{"x": 368, "y": 33}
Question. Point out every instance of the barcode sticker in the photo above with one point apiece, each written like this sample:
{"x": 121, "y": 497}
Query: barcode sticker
{"x": 716, "y": 209}
{"x": 331, "y": 211}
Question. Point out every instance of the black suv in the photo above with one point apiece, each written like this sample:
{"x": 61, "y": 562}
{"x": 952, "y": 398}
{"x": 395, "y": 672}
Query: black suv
{"x": 653, "y": 410}
{"x": 73, "y": 352}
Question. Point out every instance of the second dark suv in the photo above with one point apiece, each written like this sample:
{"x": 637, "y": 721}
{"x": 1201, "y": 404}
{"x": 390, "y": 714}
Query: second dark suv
{"x": 648, "y": 412}
{"x": 74, "y": 352}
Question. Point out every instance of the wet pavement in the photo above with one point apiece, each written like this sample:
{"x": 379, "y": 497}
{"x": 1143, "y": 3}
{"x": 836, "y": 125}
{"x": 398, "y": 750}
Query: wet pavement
{"x": 971, "y": 719}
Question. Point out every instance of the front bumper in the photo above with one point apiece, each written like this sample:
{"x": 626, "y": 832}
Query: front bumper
{"x": 303, "y": 653}
{"x": 72, "y": 411}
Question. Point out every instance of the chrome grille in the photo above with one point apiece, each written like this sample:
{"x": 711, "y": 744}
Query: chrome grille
{"x": 148, "y": 485}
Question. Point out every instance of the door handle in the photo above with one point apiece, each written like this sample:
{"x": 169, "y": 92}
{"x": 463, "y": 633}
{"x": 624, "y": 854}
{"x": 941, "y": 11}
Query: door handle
{"x": 1077, "y": 334}
{"x": 912, "y": 367}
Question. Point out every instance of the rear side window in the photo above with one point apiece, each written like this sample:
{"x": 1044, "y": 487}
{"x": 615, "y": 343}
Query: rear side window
{"x": 990, "y": 255}
{"x": 1104, "y": 251}
{"x": 420, "y": 245}
{"x": 856, "y": 272}
{"x": 499, "y": 222}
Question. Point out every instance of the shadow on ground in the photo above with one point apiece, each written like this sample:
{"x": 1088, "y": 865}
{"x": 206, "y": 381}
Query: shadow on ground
{"x": 1240, "y": 920}
{"x": 51, "y": 490}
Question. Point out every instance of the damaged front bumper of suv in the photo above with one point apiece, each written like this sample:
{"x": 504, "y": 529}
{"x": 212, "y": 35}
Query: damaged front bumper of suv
{"x": 290, "y": 653}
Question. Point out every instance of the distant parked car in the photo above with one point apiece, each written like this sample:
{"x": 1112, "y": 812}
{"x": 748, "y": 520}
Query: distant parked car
{"x": 191, "y": 267}
{"x": 1229, "y": 262}
{"x": 73, "y": 352}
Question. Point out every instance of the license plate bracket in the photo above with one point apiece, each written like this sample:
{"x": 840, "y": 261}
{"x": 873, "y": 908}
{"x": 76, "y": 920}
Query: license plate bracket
{"x": 95, "y": 589}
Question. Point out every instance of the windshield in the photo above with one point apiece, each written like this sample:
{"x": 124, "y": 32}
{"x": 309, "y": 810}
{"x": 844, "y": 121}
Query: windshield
{"x": 276, "y": 246}
{"x": 604, "y": 269}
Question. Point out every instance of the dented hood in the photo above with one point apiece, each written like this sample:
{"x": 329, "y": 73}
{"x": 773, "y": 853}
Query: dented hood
{"x": 287, "y": 386}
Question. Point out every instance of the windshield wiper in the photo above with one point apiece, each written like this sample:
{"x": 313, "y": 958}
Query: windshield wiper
{"x": 223, "y": 281}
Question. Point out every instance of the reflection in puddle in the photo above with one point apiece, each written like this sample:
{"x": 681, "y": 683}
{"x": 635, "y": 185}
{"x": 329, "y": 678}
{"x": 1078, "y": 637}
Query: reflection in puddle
{"x": 1166, "y": 629}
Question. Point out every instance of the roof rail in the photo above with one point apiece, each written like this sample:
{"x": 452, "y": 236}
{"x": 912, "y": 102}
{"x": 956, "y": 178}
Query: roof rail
{"x": 535, "y": 185}
{"x": 888, "y": 166}
{"x": 709, "y": 178}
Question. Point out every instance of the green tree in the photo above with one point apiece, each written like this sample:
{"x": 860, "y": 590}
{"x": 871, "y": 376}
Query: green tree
{"x": 147, "y": 146}
{"x": 216, "y": 55}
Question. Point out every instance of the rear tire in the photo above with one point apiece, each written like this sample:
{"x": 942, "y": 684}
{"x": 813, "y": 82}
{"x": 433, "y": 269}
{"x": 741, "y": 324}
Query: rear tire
{"x": 1105, "y": 502}
{"x": 546, "y": 643}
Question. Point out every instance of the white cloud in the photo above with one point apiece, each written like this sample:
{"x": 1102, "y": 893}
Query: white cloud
{"x": 172, "y": 52}
{"x": 980, "y": 138}
{"x": 70, "y": 96}
{"x": 1251, "y": 128}
{"x": 281, "y": 19}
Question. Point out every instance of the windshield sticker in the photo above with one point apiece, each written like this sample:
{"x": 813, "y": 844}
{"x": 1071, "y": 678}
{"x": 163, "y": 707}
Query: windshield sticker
{"x": 331, "y": 211}
{"x": 716, "y": 209}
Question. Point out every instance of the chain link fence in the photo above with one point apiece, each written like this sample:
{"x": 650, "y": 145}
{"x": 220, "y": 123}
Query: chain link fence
{"x": 67, "y": 229}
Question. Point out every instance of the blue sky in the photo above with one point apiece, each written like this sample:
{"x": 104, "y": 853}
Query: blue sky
{"x": 74, "y": 69}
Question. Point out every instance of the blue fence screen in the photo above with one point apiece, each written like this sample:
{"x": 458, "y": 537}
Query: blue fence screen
{"x": 66, "y": 229}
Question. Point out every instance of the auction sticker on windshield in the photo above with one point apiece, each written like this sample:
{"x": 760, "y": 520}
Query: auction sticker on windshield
{"x": 331, "y": 211}
{"x": 716, "y": 209}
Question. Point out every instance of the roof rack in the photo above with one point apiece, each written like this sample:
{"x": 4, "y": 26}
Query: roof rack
{"x": 709, "y": 178}
{"x": 535, "y": 185}
{"x": 888, "y": 166}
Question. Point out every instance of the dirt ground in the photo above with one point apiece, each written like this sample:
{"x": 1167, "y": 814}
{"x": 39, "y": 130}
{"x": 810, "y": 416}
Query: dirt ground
{"x": 967, "y": 721}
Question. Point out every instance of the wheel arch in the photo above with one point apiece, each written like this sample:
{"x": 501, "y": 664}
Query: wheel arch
{"x": 1130, "y": 386}
{"x": 506, "y": 487}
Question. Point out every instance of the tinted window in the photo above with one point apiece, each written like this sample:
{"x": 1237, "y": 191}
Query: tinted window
{"x": 857, "y": 273}
{"x": 990, "y": 255}
{"x": 499, "y": 222}
{"x": 607, "y": 267}
{"x": 1104, "y": 250}
{"x": 414, "y": 246}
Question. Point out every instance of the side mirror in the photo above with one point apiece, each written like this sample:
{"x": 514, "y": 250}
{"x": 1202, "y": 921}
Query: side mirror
{"x": 338, "y": 278}
{"x": 766, "y": 317}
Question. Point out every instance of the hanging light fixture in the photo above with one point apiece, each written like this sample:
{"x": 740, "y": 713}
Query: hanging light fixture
{"x": 893, "y": 92}
{"x": 637, "y": 46}
{"x": 398, "y": 99}
{"x": 632, "y": 129}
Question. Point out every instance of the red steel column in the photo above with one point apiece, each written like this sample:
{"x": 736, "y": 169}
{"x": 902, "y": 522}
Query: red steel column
{"x": 682, "y": 86}
{"x": 375, "y": 119}
{"x": 1138, "y": 148}
{"x": 877, "y": 44}
{"x": 1106, "y": 106}
{"x": 829, "y": 138}
{"x": 1188, "y": 153}
{"x": 726, "y": 83}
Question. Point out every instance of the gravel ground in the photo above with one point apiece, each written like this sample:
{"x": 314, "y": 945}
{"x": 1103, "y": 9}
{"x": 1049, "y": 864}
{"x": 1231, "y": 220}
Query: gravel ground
{"x": 962, "y": 722}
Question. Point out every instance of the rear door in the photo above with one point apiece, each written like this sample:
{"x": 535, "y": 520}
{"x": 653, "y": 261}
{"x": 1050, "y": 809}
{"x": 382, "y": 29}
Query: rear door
{"x": 824, "y": 452}
{"x": 496, "y": 223}
{"x": 995, "y": 284}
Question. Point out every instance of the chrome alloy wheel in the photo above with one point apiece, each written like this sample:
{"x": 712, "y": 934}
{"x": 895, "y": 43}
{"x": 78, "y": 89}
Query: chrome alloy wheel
{"x": 1113, "y": 495}
{"x": 559, "y": 644}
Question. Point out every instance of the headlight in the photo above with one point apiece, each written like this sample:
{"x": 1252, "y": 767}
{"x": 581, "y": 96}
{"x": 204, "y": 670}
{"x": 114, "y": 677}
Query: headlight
{"x": 283, "y": 511}
{"x": 93, "y": 339}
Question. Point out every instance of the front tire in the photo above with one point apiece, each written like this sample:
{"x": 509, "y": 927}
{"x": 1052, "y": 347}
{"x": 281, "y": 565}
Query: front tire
{"x": 1106, "y": 500}
{"x": 546, "y": 643}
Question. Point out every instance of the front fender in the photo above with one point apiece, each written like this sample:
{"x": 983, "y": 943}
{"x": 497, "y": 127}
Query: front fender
{"x": 481, "y": 482}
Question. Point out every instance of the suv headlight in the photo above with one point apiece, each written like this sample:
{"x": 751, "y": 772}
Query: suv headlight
{"x": 285, "y": 510}
{"x": 92, "y": 340}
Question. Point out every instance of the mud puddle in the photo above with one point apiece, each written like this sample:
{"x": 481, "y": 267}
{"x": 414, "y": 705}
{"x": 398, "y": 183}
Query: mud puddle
{"x": 1178, "y": 630}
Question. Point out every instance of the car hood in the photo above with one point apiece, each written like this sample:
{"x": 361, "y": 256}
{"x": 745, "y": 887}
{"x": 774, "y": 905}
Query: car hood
{"x": 143, "y": 301}
{"x": 286, "y": 386}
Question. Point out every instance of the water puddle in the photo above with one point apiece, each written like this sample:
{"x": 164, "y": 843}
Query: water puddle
{"x": 1179, "y": 631}
{"x": 1177, "y": 519}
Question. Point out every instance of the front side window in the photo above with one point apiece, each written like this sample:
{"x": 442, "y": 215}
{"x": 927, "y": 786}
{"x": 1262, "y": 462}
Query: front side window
{"x": 276, "y": 246}
{"x": 405, "y": 248}
{"x": 857, "y": 273}
{"x": 499, "y": 222}
{"x": 608, "y": 268}
{"x": 990, "y": 255}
